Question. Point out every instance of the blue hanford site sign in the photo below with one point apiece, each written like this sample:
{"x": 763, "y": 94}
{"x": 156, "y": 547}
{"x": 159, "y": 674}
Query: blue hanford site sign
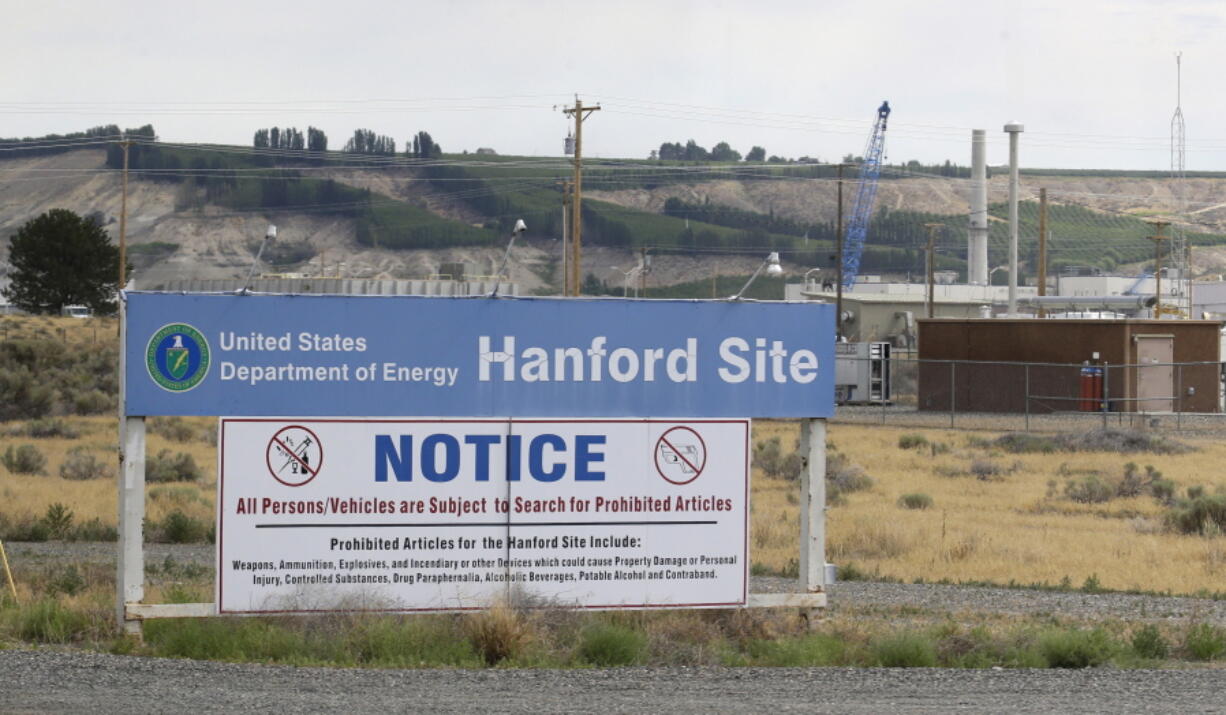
{"x": 374, "y": 356}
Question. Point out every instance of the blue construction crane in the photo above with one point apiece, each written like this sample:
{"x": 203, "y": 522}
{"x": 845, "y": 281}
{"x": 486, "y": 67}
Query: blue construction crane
{"x": 866, "y": 195}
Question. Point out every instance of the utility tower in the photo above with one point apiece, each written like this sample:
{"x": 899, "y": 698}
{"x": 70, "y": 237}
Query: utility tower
{"x": 1179, "y": 244}
{"x": 580, "y": 113}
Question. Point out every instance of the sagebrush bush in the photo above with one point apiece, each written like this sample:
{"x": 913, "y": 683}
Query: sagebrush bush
{"x": 50, "y": 427}
{"x": 912, "y": 441}
{"x": 81, "y": 464}
{"x": 24, "y": 459}
{"x": 915, "y": 500}
{"x": 1204, "y": 515}
{"x": 175, "y": 429}
{"x": 843, "y": 477}
{"x": 165, "y": 467}
{"x": 1108, "y": 440}
{"x": 1089, "y": 490}
{"x": 769, "y": 457}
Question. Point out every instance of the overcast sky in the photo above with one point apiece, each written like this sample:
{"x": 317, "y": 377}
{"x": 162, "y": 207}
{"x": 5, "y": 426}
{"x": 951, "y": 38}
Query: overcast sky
{"x": 1093, "y": 81}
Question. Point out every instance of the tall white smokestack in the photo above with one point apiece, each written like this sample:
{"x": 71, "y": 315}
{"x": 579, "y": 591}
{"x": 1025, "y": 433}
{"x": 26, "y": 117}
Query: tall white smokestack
{"x": 977, "y": 236}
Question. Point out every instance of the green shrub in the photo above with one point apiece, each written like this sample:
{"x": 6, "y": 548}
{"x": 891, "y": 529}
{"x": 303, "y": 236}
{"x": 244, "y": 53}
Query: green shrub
{"x": 904, "y": 650}
{"x": 47, "y": 621}
{"x": 1204, "y": 641}
{"x": 1089, "y": 490}
{"x": 1076, "y": 648}
{"x": 179, "y": 528}
{"x": 50, "y": 427}
{"x": 1147, "y": 642}
{"x": 58, "y": 519}
{"x": 1092, "y": 584}
{"x": 24, "y": 459}
{"x": 67, "y": 582}
{"x": 26, "y": 528}
{"x": 912, "y": 441}
{"x": 609, "y": 645}
{"x": 92, "y": 530}
{"x": 915, "y": 500}
{"x": 175, "y": 429}
{"x": 1163, "y": 490}
{"x": 1204, "y": 515}
{"x": 92, "y": 402}
{"x": 816, "y": 650}
{"x": 180, "y": 467}
{"x": 81, "y": 465}
{"x": 1109, "y": 440}
{"x": 1025, "y": 443}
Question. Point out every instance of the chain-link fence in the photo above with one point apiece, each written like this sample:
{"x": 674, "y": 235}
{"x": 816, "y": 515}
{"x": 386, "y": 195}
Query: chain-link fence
{"x": 905, "y": 391}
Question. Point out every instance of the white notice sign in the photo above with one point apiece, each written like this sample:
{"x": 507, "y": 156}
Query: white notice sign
{"x": 442, "y": 514}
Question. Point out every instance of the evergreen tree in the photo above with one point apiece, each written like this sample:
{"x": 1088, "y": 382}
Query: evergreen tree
{"x": 61, "y": 258}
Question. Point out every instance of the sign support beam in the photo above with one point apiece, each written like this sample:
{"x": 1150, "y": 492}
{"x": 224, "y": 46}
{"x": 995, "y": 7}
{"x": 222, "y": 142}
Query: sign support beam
{"x": 813, "y": 511}
{"x": 130, "y": 579}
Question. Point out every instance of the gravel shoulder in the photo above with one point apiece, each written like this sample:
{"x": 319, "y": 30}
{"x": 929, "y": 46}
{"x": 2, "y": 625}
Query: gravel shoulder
{"x": 46, "y": 681}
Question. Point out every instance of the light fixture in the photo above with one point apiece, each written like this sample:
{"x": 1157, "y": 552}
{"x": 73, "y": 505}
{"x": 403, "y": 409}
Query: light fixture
{"x": 772, "y": 267}
{"x": 520, "y": 227}
{"x": 270, "y": 235}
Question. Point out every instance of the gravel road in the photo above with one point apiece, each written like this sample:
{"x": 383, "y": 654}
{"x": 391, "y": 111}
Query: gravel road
{"x": 76, "y": 682}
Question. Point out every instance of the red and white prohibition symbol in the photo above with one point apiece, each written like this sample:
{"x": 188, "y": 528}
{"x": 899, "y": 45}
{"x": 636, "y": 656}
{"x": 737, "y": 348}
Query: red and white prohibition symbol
{"x": 681, "y": 455}
{"x": 294, "y": 455}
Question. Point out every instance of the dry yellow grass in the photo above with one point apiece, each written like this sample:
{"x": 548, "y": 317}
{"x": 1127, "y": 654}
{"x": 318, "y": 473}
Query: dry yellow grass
{"x": 1006, "y": 529}
{"x": 74, "y": 331}
{"x": 29, "y": 495}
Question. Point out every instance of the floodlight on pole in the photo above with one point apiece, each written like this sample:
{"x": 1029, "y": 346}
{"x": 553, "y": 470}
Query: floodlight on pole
{"x": 270, "y": 235}
{"x": 772, "y": 267}
{"x": 520, "y": 227}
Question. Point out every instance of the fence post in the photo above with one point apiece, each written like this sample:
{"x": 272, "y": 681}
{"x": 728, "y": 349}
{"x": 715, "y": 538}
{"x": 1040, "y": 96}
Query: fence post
{"x": 1104, "y": 404}
{"x": 952, "y": 379}
{"x": 1027, "y": 397}
{"x": 1177, "y": 403}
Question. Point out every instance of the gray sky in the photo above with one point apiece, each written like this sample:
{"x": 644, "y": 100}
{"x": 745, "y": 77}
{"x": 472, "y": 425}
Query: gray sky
{"x": 1092, "y": 80}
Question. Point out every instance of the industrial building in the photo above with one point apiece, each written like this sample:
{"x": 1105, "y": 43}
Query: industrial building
{"x": 1139, "y": 363}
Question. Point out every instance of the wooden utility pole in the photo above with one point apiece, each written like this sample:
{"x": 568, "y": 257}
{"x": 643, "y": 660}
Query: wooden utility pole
{"x": 580, "y": 113}
{"x": 1042, "y": 248}
{"x": 838, "y": 294}
{"x": 1158, "y": 238}
{"x": 123, "y": 218}
{"x": 932, "y": 239}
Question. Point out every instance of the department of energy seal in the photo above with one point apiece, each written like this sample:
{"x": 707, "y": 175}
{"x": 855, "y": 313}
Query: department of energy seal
{"x": 177, "y": 357}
